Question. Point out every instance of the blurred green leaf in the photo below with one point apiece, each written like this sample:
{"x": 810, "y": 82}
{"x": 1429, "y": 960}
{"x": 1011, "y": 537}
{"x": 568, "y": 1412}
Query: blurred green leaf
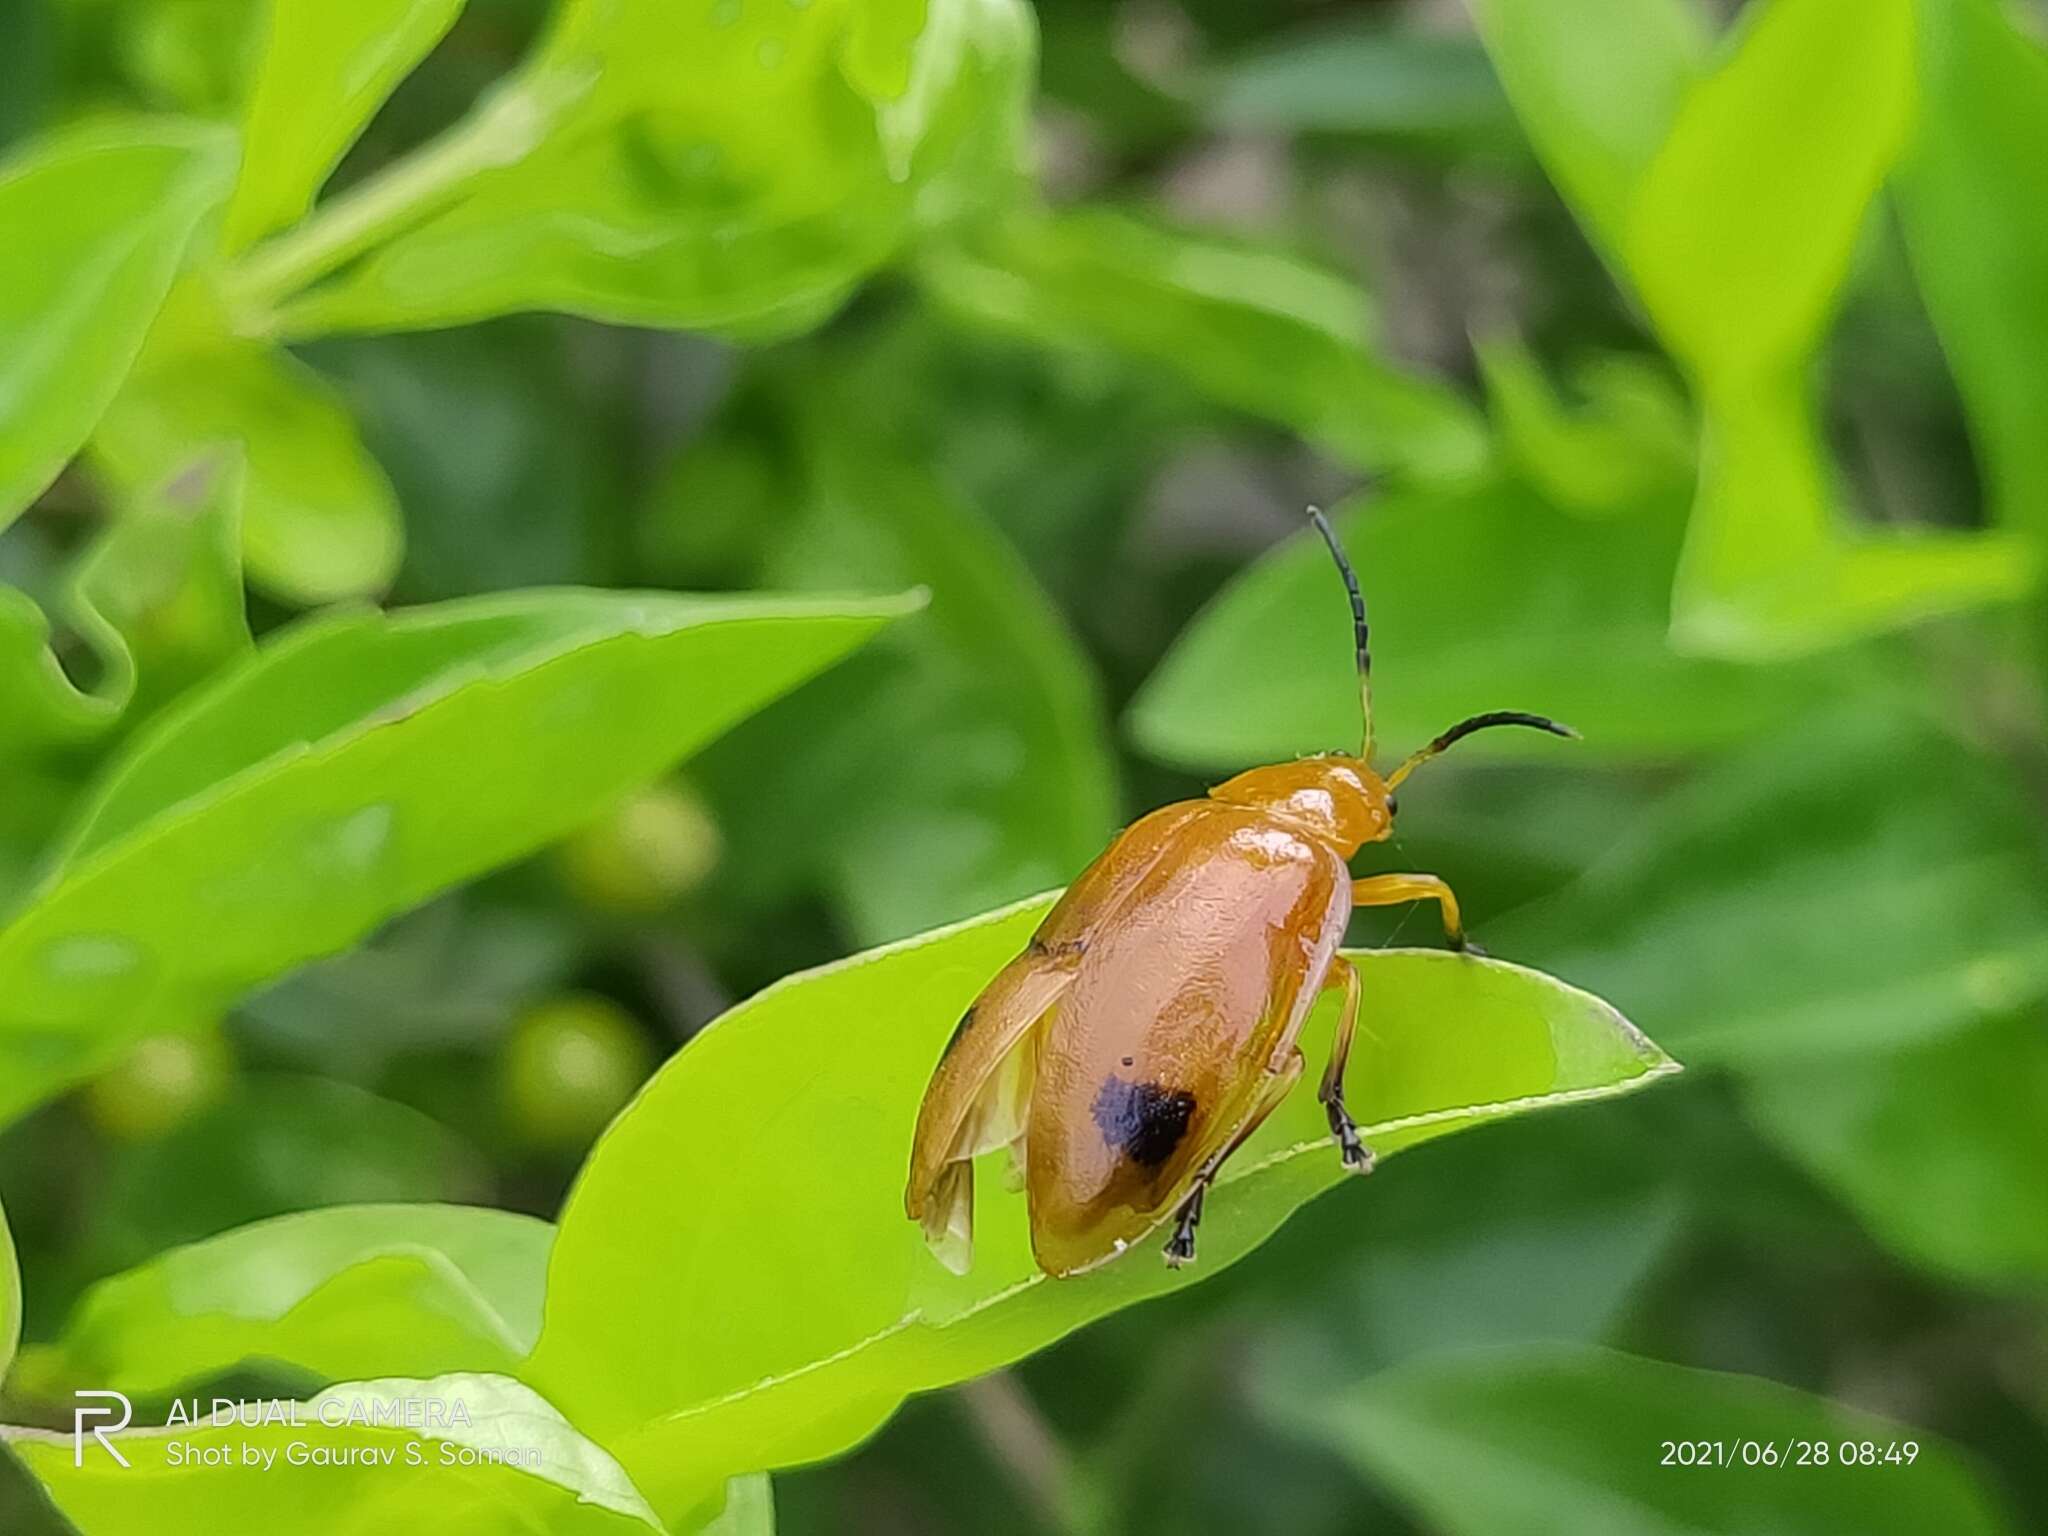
{"x": 1628, "y": 441}
{"x": 1769, "y": 572}
{"x": 1256, "y": 330}
{"x": 10, "y": 1298}
{"x": 156, "y": 598}
{"x": 161, "y": 590}
{"x": 741, "y": 171}
{"x": 1551, "y": 1438}
{"x": 323, "y": 71}
{"x": 398, "y": 1478}
{"x": 1780, "y": 908}
{"x": 827, "y": 1308}
{"x": 1480, "y": 598}
{"x": 112, "y": 208}
{"x": 1597, "y": 84}
{"x": 355, "y": 766}
{"x": 1382, "y": 82}
{"x": 319, "y": 520}
{"x": 749, "y": 1508}
{"x": 1941, "y": 1148}
{"x": 509, "y": 474}
{"x": 1973, "y": 196}
{"x": 344, "y": 1292}
{"x": 1740, "y": 229}
{"x": 964, "y": 761}
{"x": 275, "y": 1143}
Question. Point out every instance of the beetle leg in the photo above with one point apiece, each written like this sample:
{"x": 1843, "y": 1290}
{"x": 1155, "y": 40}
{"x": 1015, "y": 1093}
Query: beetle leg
{"x": 1386, "y": 890}
{"x": 1180, "y": 1248}
{"x": 1357, "y": 1155}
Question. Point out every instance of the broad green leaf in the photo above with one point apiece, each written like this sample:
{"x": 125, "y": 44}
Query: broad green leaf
{"x": 1480, "y": 598}
{"x": 1258, "y": 331}
{"x": 273, "y": 1144}
{"x": 1597, "y": 84}
{"x": 1402, "y": 84}
{"x": 323, "y": 71}
{"x": 971, "y": 738}
{"x": 1780, "y": 908}
{"x": 1769, "y": 569}
{"x": 1739, "y": 233}
{"x": 379, "y": 1470}
{"x": 741, "y": 168}
{"x": 828, "y": 1309}
{"x": 1553, "y": 1438}
{"x": 353, "y": 767}
{"x": 319, "y": 520}
{"x": 112, "y": 208}
{"x": 10, "y": 1298}
{"x": 1973, "y": 197}
{"x": 1941, "y": 1148}
{"x": 343, "y": 1293}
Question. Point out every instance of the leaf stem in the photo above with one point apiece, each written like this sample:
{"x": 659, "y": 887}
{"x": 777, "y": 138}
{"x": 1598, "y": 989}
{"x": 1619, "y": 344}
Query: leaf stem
{"x": 506, "y": 127}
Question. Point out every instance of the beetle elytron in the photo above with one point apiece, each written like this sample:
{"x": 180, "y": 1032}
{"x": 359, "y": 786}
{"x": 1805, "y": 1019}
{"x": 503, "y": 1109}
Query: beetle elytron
{"x": 1149, "y": 1026}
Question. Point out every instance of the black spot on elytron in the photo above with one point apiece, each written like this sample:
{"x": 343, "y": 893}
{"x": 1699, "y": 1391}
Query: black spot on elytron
{"x": 959, "y": 1029}
{"x": 1144, "y": 1121}
{"x": 1128, "y": 1060}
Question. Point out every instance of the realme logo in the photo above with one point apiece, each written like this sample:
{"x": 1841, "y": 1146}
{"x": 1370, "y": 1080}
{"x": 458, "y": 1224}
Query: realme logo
{"x": 102, "y": 1405}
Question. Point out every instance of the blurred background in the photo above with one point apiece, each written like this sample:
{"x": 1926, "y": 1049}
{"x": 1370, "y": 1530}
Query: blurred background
{"x": 1269, "y": 254}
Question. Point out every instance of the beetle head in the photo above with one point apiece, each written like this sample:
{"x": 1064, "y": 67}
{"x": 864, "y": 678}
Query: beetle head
{"x": 1336, "y": 799}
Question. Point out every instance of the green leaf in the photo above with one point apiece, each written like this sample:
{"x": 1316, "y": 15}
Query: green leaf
{"x": 701, "y": 1324}
{"x": 431, "y": 1477}
{"x": 1628, "y": 442}
{"x": 1255, "y": 330}
{"x": 319, "y": 520}
{"x": 323, "y": 72}
{"x": 1941, "y": 1149}
{"x": 112, "y": 209}
{"x": 741, "y": 170}
{"x": 1780, "y": 909}
{"x": 1770, "y": 572}
{"x": 10, "y": 1298}
{"x": 1401, "y": 84}
{"x": 749, "y": 1508}
{"x": 972, "y": 737}
{"x": 160, "y": 592}
{"x": 344, "y": 1292}
{"x": 1556, "y": 1438}
{"x": 1973, "y": 197}
{"x": 1740, "y": 230}
{"x": 1597, "y": 84}
{"x": 354, "y": 766}
{"x": 1480, "y": 598}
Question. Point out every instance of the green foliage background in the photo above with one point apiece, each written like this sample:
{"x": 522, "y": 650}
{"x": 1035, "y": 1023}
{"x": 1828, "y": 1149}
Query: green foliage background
{"x": 424, "y": 425}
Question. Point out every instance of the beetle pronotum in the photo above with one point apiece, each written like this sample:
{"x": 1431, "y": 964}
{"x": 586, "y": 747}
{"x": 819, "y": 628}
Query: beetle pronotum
{"x": 1149, "y": 1026}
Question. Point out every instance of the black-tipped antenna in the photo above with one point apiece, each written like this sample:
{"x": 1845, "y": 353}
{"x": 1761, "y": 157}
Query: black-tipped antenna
{"x": 1464, "y": 728}
{"x": 1360, "y": 634}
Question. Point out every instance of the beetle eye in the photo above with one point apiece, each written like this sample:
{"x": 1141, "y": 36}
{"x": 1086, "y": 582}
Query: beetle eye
{"x": 1393, "y": 804}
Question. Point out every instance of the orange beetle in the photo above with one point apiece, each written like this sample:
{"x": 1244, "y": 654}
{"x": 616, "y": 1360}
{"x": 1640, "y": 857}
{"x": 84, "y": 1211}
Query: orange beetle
{"x": 1149, "y": 1026}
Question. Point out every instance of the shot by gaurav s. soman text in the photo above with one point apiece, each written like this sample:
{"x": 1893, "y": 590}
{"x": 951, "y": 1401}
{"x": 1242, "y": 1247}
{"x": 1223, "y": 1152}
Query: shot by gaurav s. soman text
{"x": 1023, "y": 768}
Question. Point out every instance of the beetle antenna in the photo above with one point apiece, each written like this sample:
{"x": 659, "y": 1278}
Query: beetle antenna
{"x": 1464, "y": 728}
{"x": 1360, "y": 635}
